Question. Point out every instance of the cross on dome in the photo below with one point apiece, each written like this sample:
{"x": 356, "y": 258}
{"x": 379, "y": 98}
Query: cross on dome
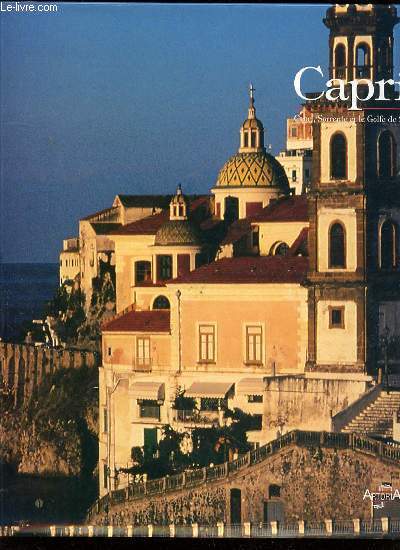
{"x": 251, "y": 91}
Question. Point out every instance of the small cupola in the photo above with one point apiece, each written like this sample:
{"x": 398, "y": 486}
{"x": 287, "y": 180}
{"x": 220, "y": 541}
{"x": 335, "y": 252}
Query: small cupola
{"x": 252, "y": 130}
{"x": 178, "y": 206}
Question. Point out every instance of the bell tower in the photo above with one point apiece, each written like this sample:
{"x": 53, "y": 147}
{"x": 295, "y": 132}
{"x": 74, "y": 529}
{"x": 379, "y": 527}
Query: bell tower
{"x": 361, "y": 41}
{"x": 354, "y": 202}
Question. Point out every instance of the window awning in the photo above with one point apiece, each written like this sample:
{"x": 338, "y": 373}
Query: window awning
{"x": 148, "y": 390}
{"x": 209, "y": 389}
{"x": 250, "y": 386}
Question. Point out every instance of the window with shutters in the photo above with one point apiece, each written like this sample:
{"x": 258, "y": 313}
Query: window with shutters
{"x": 143, "y": 352}
{"x": 254, "y": 342}
{"x": 207, "y": 343}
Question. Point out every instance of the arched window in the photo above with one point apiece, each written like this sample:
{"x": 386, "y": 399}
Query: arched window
{"x": 142, "y": 272}
{"x": 161, "y": 302}
{"x": 338, "y": 157}
{"x": 388, "y": 245}
{"x": 340, "y": 61}
{"x": 337, "y": 246}
{"x": 386, "y": 155}
{"x": 362, "y": 61}
{"x": 280, "y": 249}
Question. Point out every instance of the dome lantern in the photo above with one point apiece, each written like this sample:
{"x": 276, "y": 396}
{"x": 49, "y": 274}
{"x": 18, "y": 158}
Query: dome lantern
{"x": 178, "y": 230}
{"x": 178, "y": 206}
{"x": 252, "y": 130}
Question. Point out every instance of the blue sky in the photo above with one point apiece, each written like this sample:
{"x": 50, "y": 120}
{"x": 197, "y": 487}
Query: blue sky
{"x": 100, "y": 99}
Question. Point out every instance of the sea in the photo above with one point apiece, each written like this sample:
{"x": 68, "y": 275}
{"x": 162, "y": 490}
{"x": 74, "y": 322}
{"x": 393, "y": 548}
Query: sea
{"x": 24, "y": 290}
{"x": 32, "y": 499}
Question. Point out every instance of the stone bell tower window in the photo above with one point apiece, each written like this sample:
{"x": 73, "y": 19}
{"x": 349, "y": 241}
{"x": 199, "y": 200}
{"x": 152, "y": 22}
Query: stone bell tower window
{"x": 386, "y": 155}
{"x": 337, "y": 243}
{"x": 336, "y": 317}
{"x": 363, "y": 61}
{"x": 338, "y": 157}
{"x": 388, "y": 245}
{"x": 340, "y": 61}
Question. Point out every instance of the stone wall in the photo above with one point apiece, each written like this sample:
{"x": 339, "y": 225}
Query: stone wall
{"x": 315, "y": 483}
{"x": 24, "y": 366}
{"x": 307, "y": 403}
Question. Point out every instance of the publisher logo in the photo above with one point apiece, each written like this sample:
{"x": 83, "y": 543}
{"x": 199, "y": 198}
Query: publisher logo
{"x": 384, "y": 494}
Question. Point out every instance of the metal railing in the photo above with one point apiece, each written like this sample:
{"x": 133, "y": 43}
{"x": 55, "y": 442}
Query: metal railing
{"x": 189, "y": 478}
{"x": 366, "y": 528}
{"x": 195, "y": 416}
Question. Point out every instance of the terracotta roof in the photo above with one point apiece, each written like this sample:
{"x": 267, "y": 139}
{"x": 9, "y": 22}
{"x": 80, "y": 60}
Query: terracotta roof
{"x": 151, "y": 224}
{"x": 248, "y": 270}
{"x": 300, "y": 245}
{"x": 140, "y": 321}
{"x": 288, "y": 209}
{"x": 236, "y": 231}
{"x": 145, "y": 226}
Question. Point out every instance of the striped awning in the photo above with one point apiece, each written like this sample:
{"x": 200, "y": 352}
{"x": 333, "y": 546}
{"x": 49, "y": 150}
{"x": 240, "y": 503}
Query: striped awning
{"x": 209, "y": 389}
{"x": 250, "y": 386}
{"x": 148, "y": 390}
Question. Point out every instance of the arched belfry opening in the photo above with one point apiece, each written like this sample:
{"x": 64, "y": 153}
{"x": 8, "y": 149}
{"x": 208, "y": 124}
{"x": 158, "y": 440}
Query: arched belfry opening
{"x": 338, "y": 156}
{"x": 337, "y": 246}
{"x": 387, "y": 151}
{"x": 340, "y": 61}
{"x": 388, "y": 245}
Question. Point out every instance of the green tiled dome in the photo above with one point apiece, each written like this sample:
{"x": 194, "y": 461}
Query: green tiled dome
{"x": 257, "y": 169}
{"x": 177, "y": 232}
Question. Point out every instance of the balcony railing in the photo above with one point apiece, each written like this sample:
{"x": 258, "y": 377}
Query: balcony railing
{"x": 363, "y": 71}
{"x": 340, "y": 72}
{"x": 195, "y": 416}
{"x": 142, "y": 365}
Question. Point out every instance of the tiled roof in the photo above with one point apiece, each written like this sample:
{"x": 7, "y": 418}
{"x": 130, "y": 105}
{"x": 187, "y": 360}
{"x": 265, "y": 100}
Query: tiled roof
{"x": 151, "y": 224}
{"x": 140, "y": 321}
{"x": 248, "y": 270}
{"x": 288, "y": 209}
{"x": 145, "y": 226}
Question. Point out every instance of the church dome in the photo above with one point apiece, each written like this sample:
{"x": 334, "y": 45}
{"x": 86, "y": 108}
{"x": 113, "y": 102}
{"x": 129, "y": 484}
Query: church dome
{"x": 253, "y": 169}
{"x": 177, "y": 232}
{"x": 252, "y": 166}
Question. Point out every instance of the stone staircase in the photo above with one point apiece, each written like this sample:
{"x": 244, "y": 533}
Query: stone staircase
{"x": 376, "y": 419}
